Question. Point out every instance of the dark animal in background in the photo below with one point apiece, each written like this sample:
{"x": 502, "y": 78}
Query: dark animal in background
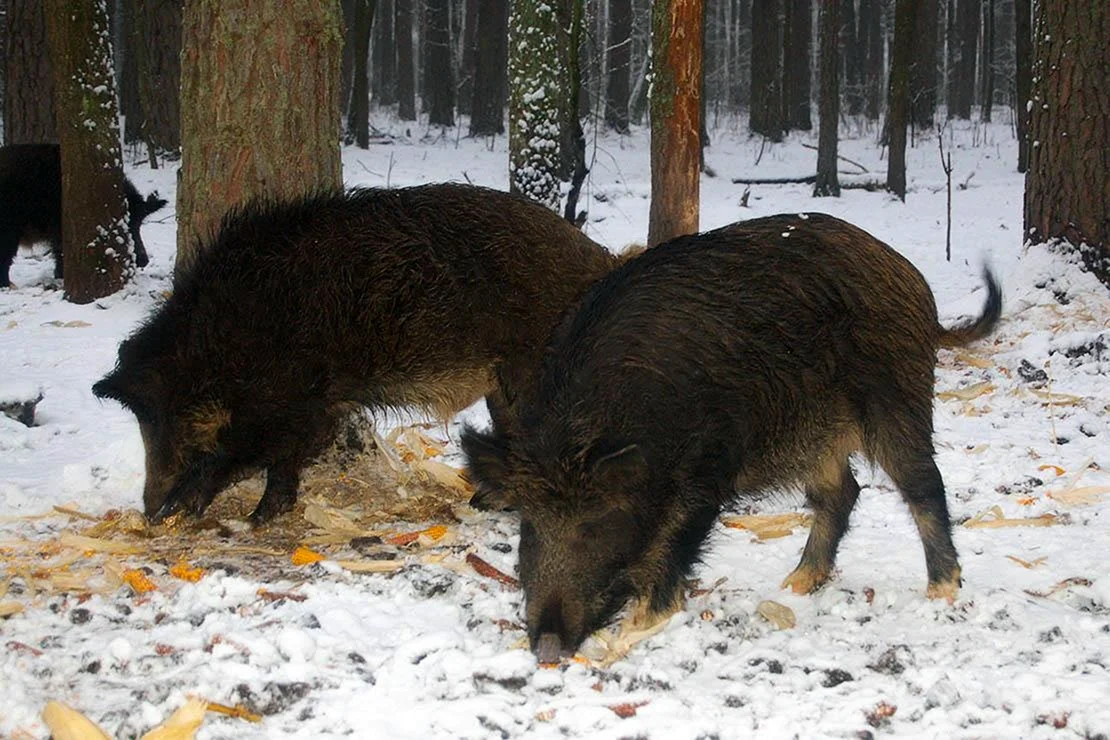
{"x": 31, "y": 205}
{"x": 298, "y": 312}
{"x": 757, "y": 356}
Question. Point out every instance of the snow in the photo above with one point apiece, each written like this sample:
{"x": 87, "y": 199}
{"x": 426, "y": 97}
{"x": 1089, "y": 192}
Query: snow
{"x": 432, "y": 651}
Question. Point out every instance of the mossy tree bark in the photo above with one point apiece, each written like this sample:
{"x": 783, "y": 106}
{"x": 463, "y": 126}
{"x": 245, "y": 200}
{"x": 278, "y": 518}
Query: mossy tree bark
{"x": 1066, "y": 187}
{"x": 676, "y": 39}
{"x": 259, "y": 92}
{"x": 96, "y": 240}
{"x": 28, "y": 76}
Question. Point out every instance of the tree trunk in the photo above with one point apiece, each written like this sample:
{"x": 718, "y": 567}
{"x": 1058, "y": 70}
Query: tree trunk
{"x": 675, "y": 90}
{"x": 766, "y": 108}
{"x": 439, "y": 85}
{"x": 797, "y": 32}
{"x": 487, "y": 115}
{"x": 536, "y": 86}
{"x": 358, "y": 115}
{"x": 28, "y": 77}
{"x": 987, "y": 68}
{"x": 572, "y": 142}
{"x": 468, "y": 69}
{"x": 1066, "y": 188}
{"x": 967, "y": 33}
{"x": 923, "y": 66}
{"x": 402, "y": 34}
{"x": 873, "y": 71}
{"x": 157, "y": 50}
{"x": 94, "y": 220}
{"x": 901, "y": 48}
{"x": 850, "y": 53}
{"x": 620, "y": 65}
{"x": 1023, "y": 57}
{"x": 347, "y": 68}
{"x": 828, "y": 183}
{"x": 259, "y": 91}
{"x": 385, "y": 55}
{"x": 125, "y": 44}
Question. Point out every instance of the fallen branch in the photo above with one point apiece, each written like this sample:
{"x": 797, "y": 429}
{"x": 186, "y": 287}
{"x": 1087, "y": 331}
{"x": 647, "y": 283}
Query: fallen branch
{"x": 842, "y": 158}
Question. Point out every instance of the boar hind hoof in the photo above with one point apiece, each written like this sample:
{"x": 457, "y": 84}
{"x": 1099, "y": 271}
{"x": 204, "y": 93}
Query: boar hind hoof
{"x": 948, "y": 589}
{"x": 267, "y": 511}
{"x": 549, "y": 648}
{"x": 805, "y": 580}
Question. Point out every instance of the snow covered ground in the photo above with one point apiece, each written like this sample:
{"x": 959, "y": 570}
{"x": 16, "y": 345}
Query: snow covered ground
{"x": 434, "y": 650}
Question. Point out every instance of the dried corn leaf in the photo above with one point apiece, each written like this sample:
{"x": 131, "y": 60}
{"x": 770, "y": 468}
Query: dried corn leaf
{"x": 1028, "y": 564}
{"x": 1057, "y": 399}
{"x": 627, "y": 709}
{"x": 138, "y": 581}
{"x": 606, "y": 647}
{"x": 331, "y": 520}
{"x": 8, "y": 608}
{"x": 238, "y": 711}
{"x": 371, "y": 566}
{"x": 304, "y": 556}
{"x": 66, "y": 723}
{"x": 970, "y": 359}
{"x": 1079, "y": 496}
{"x": 769, "y": 526}
{"x": 1054, "y": 468}
{"x": 442, "y": 474}
{"x": 1060, "y": 586}
{"x": 95, "y": 544}
{"x": 182, "y": 724}
{"x": 70, "y": 511}
{"x": 967, "y": 393}
{"x": 482, "y": 568}
{"x": 181, "y": 569}
{"x": 777, "y": 614}
{"x": 993, "y": 518}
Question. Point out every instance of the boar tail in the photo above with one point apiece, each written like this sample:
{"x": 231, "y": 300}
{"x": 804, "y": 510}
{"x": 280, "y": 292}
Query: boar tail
{"x": 978, "y": 328}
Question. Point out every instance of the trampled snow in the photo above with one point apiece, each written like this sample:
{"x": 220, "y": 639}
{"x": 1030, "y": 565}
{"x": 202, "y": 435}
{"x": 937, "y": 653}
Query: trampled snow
{"x": 434, "y": 651}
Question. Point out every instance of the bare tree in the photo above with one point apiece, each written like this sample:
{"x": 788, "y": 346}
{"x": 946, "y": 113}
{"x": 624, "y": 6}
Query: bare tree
{"x": 766, "y": 107}
{"x": 1023, "y": 58}
{"x": 255, "y": 113}
{"x": 852, "y": 52}
{"x": 619, "y": 67}
{"x": 827, "y": 182}
{"x": 871, "y": 44}
{"x": 406, "y": 74}
{"x": 901, "y": 48}
{"x": 156, "y": 47}
{"x": 675, "y": 140}
{"x": 94, "y": 221}
{"x": 923, "y": 66}
{"x": 986, "y": 69}
{"x": 439, "y": 84}
{"x": 796, "y": 65}
{"x": 491, "y": 59}
{"x": 967, "y": 36}
{"x": 358, "y": 114}
{"x": 1066, "y": 187}
{"x": 384, "y": 54}
{"x": 28, "y": 76}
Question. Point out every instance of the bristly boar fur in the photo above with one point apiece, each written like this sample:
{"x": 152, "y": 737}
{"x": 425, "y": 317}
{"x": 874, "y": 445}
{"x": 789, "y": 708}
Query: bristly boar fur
{"x": 31, "y": 205}
{"x": 757, "y": 356}
{"x": 297, "y": 312}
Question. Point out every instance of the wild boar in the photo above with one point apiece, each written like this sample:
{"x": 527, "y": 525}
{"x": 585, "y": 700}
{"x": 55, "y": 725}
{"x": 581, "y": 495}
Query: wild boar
{"x": 298, "y": 312}
{"x": 757, "y": 356}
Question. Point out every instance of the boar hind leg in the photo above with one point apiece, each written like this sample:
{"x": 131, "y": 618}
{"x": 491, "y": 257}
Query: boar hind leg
{"x": 280, "y": 495}
{"x": 832, "y": 503}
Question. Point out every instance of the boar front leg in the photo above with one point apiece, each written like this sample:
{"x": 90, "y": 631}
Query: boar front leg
{"x": 280, "y": 495}
{"x": 197, "y": 485}
{"x": 832, "y": 504}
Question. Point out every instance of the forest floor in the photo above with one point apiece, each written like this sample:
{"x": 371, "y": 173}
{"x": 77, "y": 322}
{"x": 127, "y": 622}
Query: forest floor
{"x": 127, "y": 623}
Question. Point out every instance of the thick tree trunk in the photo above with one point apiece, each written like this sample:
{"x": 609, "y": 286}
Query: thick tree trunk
{"x": 94, "y": 220}
{"x": 797, "y": 32}
{"x": 967, "y": 26}
{"x": 1023, "y": 58}
{"x": 1066, "y": 188}
{"x": 766, "y": 108}
{"x": 157, "y": 51}
{"x": 259, "y": 91}
{"x": 829, "y": 29}
{"x": 28, "y": 77}
{"x": 901, "y": 48}
{"x": 871, "y": 12}
{"x": 620, "y": 65}
{"x": 536, "y": 88}
{"x": 358, "y": 115}
{"x": 487, "y": 115}
{"x": 402, "y": 33}
{"x": 986, "y": 98}
{"x": 439, "y": 85}
{"x": 675, "y": 92}
{"x": 923, "y": 66}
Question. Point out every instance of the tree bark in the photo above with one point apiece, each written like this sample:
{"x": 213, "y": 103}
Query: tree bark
{"x": 536, "y": 87}
{"x": 797, "y": 32}
{"x": 127, "y": 53}
{"x": 873, "y": 70}
{"x": 901, "y": 48}
{"x": 439, "y": 85}
{"x": 487, "y": 115}
{"x": 675, "y": 92}
{"x": 828, "y": 183}
{"x": 157, "y": 51}
{"x": 1023, "y": 58}
{"x": 967, "y": 27}
{"x": 259, "y": 91}
{"x": 402, "y": 33}
{"x": 766, "y": 108}
{"x": 28, "y": 77}
{"x": 986, "y": 98}
{"x": 620, "y": 65}
{"x": 385, "y": 55}
{"x": 851, "y": 52}
{"x": 468, "y": 68}
{"x": 94, "y": 220}
{"x": 923, "y": 66}
{"x": 1066, "y": 188}
{"x": 358, "y": 115}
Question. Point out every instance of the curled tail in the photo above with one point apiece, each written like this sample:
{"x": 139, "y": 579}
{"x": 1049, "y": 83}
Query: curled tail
{"x": 978, "y": 328}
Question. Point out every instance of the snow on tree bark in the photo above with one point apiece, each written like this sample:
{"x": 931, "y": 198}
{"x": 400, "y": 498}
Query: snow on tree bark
{"x": 97, "y": 243}
{"x": 535, "y": 103}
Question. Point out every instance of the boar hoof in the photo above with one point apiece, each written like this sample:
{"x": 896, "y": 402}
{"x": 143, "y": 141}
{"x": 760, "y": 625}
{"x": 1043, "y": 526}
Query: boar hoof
{"x": 267, "y": 511}
{"x": 168, "y": 509}
{"x": 947, "y": 590}
{"x": 487, "y": 498}
{"x": 805, "y": 580}
{"x": 549, "y": 648}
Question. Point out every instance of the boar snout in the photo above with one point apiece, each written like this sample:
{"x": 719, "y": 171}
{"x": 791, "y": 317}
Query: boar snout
{"x": 554, "y": 633}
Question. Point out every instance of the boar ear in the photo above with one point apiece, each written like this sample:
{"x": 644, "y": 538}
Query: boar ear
{"x": 617, "y": 466}
{"x": 123, "y": 388}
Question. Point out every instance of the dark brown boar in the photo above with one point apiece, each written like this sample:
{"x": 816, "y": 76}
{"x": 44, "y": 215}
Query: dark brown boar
{"x": 757, "y": 356}
{"x": 298, "y": 312}
{"x": 31, "y": 205}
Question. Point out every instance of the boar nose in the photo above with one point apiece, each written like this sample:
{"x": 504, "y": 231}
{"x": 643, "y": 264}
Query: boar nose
{"x": 549, "y": 648}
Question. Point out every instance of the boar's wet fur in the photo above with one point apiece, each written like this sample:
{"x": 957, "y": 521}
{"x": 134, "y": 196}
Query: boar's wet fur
{"x": 298, "y": 312}
{"x": 754, "y": 357}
